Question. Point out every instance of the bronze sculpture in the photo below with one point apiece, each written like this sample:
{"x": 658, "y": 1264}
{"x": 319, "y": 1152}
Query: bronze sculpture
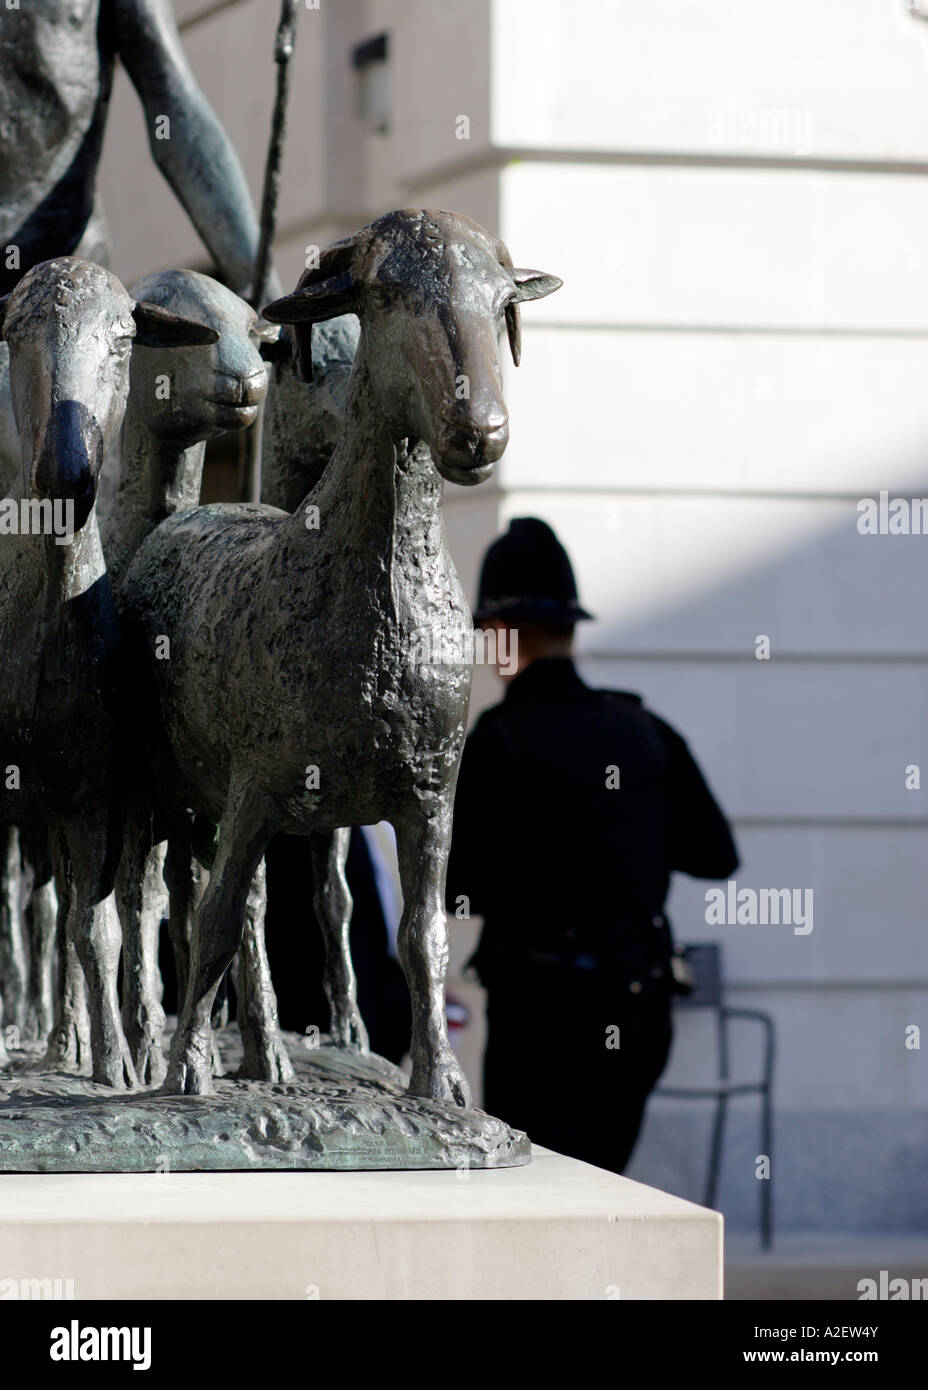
{"x": 302, "y": 422}
{"x": 302, "y": 709}
{"x": 268, "y": 661}
{"x": 177, "y": 401}
{"x": 212, "y": 390}
{"x": 70, "y": 327}
{"x": 50, "y": 147}
{"x": 57, "y": 59}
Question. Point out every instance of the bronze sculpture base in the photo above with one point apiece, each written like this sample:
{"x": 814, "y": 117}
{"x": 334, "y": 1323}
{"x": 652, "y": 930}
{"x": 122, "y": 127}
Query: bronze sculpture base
{"x": 342, "y": 1111}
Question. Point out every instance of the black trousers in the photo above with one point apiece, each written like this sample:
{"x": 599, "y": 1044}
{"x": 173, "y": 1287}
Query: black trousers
{"x": 549, "y": 1067}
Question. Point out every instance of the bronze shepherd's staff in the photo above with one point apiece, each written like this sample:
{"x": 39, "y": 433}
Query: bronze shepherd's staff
{"x": 283, "y": 52}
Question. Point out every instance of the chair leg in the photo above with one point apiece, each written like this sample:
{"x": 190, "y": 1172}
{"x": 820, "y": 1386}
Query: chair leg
{"x": 715, "y": 1153}
{"x": 766, "y": 1187}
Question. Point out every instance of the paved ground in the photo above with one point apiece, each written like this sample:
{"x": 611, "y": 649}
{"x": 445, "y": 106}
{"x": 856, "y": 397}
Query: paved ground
{"x": 822, "y": 1265}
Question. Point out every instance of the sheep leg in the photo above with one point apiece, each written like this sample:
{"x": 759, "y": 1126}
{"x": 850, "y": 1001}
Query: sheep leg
{"x": 217, "y": 935}
{"x": 141, "y": 896}
{"x": 186, "y": 879}
{"x": 14, "y": 971}
{"x": 219, "y": 1018}
{"x": 68, "y": 1046}
{"x": 333, "y": 903}
{"x": 265, "y": 1056}
{"x": 41, "y": 914}
{"x": 93, "y": 926}
{"x": 423, "y": 835}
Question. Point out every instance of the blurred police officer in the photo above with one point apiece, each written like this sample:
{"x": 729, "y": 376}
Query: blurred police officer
{"x": 573, "y": 807}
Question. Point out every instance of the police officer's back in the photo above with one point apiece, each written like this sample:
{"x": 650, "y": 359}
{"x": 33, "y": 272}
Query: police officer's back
{"x": 573, "y": 807}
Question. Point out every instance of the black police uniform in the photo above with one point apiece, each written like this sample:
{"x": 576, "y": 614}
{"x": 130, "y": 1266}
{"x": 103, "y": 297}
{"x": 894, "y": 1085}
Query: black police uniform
{"x": 571, "y": 875}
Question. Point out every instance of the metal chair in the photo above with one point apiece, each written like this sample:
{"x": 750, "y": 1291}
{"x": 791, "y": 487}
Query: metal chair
{"x": 703, "y": 963}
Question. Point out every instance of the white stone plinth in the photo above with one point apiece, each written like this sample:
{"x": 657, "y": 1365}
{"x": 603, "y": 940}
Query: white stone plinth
{"x": 554, "y": 1229}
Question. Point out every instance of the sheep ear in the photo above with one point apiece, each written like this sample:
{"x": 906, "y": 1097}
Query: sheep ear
{"x": 303, "y": 351}
{"x": 514, "y": 329}
{"x": 324, "y": 292}
{"x": 295, "y": 343}
{"x": 4, "y": 304}
{"x": 314, "y": 302}
{"x": 530, "y": 284}
{"x": 534, "y": 284}
{"x": 157, "y": 327}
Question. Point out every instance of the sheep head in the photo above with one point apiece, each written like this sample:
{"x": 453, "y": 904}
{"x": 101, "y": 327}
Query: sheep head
{"x": 433, "y": 291}
{"x": 194, "y": 396}
{"x": 70, "y": 326}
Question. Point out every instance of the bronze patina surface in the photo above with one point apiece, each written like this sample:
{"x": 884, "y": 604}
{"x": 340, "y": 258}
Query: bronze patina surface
{"x": 341, "y": 1110}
